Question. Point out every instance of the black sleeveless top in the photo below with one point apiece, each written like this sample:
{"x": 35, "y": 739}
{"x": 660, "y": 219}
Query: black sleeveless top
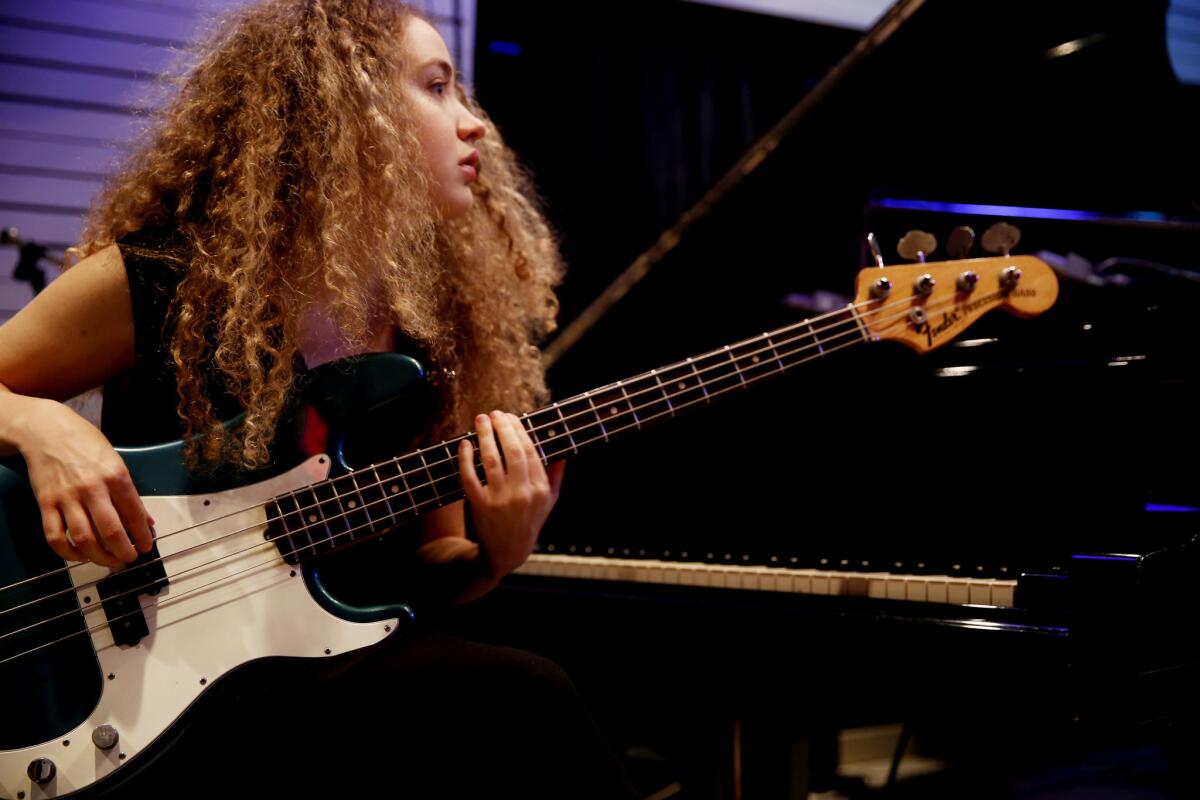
{"x": 140, "y": 404}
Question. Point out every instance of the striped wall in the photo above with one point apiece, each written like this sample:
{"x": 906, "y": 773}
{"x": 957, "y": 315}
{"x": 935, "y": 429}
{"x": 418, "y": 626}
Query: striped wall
{"x": 73, "y": 74}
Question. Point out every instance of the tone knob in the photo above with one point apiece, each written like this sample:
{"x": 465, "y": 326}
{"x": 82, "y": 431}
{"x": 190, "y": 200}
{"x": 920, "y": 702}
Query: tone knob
{"x": 105, "y": 737}
{"x": 41, "y": 771}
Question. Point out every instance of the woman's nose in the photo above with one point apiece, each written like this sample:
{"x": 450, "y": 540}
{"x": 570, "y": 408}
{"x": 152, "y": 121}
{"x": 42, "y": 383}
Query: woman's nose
{"x": 470, "y": 127}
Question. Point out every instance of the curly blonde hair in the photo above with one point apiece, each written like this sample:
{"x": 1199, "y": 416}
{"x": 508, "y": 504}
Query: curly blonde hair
{"x": 289, "y": 166}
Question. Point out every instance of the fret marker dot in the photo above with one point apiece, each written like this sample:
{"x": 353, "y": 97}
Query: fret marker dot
{"x": 550, "y": 432}
{"x": 612, "y": 410}
{"x": 755, "y": 359}
{"x": 395, "y": 488}
{"x": 682, "y": 385}
{"x": 312, "y": 517}
{"x": 352, "y": 503}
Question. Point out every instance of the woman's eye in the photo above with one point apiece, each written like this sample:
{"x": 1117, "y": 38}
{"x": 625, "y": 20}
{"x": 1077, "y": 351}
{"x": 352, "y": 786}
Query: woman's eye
{"x": 438, "y": 88}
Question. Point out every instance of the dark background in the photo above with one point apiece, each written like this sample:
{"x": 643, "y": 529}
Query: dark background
{"x": 627, "y": 113}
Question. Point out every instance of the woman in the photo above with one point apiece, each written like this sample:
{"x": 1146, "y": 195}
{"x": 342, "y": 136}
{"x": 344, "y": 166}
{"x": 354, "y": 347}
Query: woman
{"x": 320, "y": 187}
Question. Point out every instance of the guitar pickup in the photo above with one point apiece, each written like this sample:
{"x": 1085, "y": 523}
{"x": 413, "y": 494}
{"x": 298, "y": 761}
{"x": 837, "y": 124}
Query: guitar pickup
{"x": 119, "y": 595}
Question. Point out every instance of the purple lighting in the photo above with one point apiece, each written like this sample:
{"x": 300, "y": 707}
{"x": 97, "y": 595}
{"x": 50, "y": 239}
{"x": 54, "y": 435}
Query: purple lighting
{"x": 1168, "y": 508}
{"x": 983, "y": 209}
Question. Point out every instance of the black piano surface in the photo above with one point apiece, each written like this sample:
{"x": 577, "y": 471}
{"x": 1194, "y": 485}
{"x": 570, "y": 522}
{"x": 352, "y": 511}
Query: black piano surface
{"x": 1057, "y": 452}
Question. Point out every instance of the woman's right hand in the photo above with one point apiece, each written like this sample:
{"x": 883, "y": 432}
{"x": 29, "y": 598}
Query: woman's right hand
{"x": 90, "y": 508}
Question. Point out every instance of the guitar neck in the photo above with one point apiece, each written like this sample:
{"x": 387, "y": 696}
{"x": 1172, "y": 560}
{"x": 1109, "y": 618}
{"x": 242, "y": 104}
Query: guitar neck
{"x": 362, "y": 503}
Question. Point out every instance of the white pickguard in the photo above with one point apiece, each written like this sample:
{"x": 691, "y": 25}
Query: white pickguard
{"x": 231, "y": 599}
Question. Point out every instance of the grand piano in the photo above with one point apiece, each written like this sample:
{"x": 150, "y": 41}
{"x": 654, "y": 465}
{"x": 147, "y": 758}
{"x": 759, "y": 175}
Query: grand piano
{"x": 996, "y": 534}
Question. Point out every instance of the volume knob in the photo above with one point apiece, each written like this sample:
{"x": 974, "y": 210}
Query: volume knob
{"x": 105, "y": 737}
{"x": 41, "y": 771}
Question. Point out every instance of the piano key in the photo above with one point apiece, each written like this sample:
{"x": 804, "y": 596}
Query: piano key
{"x": 876, "y": 585}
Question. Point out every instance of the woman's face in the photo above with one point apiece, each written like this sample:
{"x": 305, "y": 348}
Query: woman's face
{"x": 445, "y": 127}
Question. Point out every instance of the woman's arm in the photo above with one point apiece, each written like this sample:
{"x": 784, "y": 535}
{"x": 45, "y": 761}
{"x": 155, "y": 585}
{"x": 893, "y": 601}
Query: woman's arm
{"x": 73, "y": 336}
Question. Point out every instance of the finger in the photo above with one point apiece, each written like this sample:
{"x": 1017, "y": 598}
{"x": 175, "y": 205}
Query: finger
{"x": 472, "y": 487}
{"x": 555, "y": 474}
{"x": 531, "y": 452}
{"x": 489, "y": 453}
{"x": 510, "y": 443}
{"x": 79, "y": 529}
{"x": 56, "y": 535}
{"x": 110, "y": 531}
{"x": 134, "y": 517}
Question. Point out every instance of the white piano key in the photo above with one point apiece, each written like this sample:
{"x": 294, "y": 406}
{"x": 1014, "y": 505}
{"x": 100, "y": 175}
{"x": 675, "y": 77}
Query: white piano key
{"x": 1003, "y": 593}
{"x": 916, "y": 589}
{"x": 980, "y": 592}
{"x": 931, "y": 588}
{"x": 958, "y": 591}
{"x": 938, "y": 590}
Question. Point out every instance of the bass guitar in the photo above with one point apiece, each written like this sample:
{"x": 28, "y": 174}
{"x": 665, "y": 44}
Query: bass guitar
{"x": 97, "y": 666}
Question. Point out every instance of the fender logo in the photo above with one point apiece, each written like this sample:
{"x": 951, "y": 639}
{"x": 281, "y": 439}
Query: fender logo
{"x": 950, "y": 319}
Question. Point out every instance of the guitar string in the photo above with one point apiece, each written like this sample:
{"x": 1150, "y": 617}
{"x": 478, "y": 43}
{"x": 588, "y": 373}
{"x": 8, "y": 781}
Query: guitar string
{"x": 108, "y": 623}
{"x": 370, "y": 524}
{"x": 420, "y": 453}
{"x": 436, "y": 481}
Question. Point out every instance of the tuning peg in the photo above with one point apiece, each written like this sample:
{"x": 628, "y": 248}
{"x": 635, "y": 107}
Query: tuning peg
{"x": 876, "y": 254}
{"x": 1001, "y": 238}
{"x": 960, "y": 241}
{"x": 916, "y": 245}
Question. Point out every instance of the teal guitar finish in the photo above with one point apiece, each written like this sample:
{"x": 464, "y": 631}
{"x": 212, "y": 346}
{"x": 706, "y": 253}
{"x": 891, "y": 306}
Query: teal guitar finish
{"x": 356, "y": 411}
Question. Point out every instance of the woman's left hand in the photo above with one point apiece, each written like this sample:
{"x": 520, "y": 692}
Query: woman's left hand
{"x": 511, "y": 508}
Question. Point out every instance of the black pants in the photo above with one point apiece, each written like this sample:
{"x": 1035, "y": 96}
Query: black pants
{"x": 421, "y": 715}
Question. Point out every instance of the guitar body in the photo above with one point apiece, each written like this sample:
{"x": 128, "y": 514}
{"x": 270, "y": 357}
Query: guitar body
{"x": 238, "y": 573}
{"x": 226, "y": 595}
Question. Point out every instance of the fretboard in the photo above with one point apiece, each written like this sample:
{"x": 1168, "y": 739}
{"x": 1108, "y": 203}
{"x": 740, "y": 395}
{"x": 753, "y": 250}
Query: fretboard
{"x": 360, "y": 504}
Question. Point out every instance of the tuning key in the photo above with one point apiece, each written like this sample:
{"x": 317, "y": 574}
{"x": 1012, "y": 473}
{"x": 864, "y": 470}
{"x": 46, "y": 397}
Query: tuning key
{"x": 1001, "y": 238}
{"x": 916, "y": 245}
{"x": 876, "y": 254}
{"x": 960, "y": 241}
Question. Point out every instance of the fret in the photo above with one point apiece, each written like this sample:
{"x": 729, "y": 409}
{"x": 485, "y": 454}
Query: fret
{"x": 292, "y": 527}
{"x": 531, "y": 427}
{"x": 358, "y": 509}
{"x": 319, "y": 535}
{"x": 754, "y": 360}
{"x": 858, "y": 323}
{"x": 613, "y": 406}
{"x": 333, "y": 514}
{"x": 666, "y": 398}
{"x": 566, "y": 428}
{"x": 681, "y": 386}
{"x": 774, "y": 351}
{"x": 632, "y": 409}
{"x": 447, "y": 483}
{"x": 375, "y": 495}
{"x": 596, "y": 414}
{"x": 396, "y": 484}
{"x": 550, "y": 434}
{"x": 717, "y": 371}
{"x": 815, "y": 338}
{"x": 419, "y": 482}
{"x": 699, "y": 380}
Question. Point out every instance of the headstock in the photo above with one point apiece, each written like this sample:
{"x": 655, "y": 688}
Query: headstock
{"x": 927, "y": 304}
